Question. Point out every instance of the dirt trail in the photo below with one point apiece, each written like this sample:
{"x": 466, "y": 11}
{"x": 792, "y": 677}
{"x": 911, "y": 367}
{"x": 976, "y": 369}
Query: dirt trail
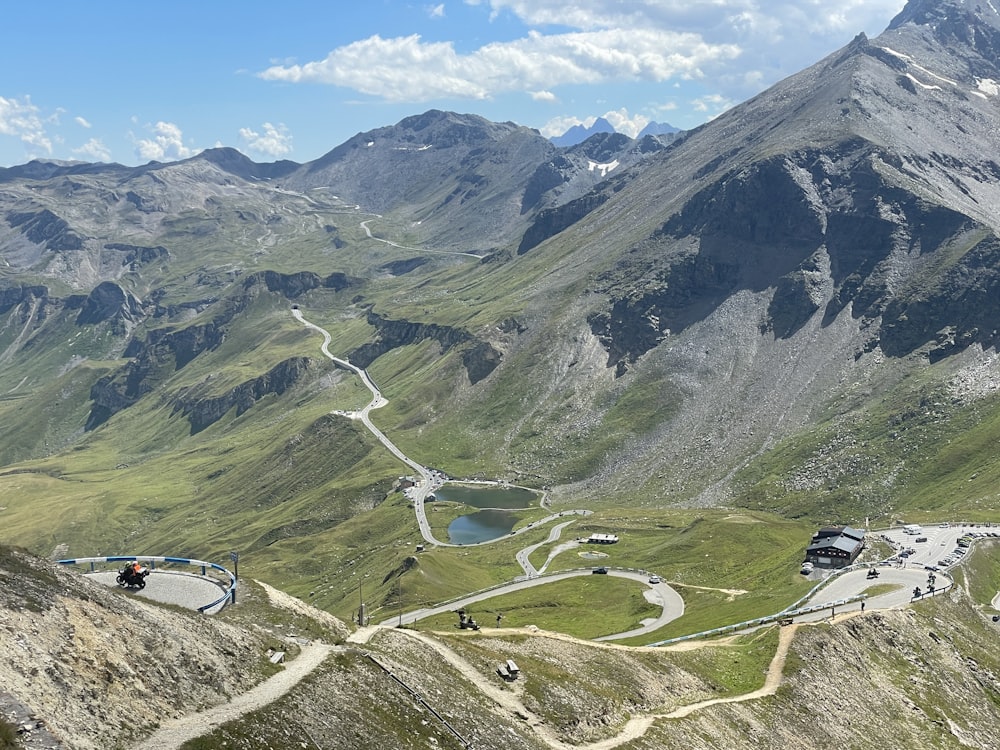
{"x": 506, "y": 700}
{"x": 176, "y": 732}
{"x": 173, "y": 733}
{"x": 635, "y": 727}
{"x": 771, "y": 682}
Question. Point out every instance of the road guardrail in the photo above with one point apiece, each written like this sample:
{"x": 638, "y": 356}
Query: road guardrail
{"x": 230, "y": 593}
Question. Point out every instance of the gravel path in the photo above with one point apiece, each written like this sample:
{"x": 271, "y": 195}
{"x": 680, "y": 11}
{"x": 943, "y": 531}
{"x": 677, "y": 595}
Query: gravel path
{"x": 176, "y": 732}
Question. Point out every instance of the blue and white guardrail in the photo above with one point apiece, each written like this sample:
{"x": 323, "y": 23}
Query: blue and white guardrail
{"x": 151, "y": 560}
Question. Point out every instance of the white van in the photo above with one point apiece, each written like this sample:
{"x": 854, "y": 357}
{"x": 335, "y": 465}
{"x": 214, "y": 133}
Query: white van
{"x": 912, "y": 528}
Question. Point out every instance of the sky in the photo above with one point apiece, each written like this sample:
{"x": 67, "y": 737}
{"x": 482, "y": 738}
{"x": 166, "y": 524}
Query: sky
{"x": 133, "y": 82}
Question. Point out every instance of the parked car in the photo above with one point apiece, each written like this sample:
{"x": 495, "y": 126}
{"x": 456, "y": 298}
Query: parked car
{"x": 920, "y": 539}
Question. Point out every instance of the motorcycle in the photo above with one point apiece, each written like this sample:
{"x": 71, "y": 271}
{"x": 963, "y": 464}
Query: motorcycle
{"x": 128, "y": 577}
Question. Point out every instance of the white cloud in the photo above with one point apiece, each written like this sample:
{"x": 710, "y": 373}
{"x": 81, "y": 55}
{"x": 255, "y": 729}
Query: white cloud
{"x": 167, "y": 144}
{"x": 714, "y": 18}
{"x": 601, "y": 42}
{"x": 559, "y": 125}
{"x": 274, "y": 141}
{"x": 94, "y": 150}
{"x": 408, "y": 69}
{"x": 775, "y": 39}
{"x": 22, "y": 119}
{"x": 82, "y": 122}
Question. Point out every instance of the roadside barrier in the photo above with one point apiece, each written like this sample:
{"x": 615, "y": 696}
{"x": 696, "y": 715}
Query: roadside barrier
{"x": 766, "y": 620}
{"x": 151, "y": 560}
{"x": 417, "y": 696}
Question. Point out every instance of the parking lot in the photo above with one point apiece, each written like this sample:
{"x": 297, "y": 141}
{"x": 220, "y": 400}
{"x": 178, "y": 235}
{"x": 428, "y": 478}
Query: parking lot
{"x": 936, "y": 547}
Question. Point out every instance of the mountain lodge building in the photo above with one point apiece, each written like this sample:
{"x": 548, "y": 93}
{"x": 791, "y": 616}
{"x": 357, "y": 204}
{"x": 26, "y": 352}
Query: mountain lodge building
{"x": 835, "y": 546}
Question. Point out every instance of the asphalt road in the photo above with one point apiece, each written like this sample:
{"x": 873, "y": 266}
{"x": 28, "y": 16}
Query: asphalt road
{"x": 905, "y": 573}
{"x": 660, "y": 593}
{"x": 172, "y": 587}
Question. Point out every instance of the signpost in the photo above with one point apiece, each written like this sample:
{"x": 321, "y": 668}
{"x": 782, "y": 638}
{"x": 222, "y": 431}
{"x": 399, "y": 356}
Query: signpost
{"x": 235, "y": 557}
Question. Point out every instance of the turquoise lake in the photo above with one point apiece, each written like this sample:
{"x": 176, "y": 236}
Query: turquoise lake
{"x": 495, "y": 517}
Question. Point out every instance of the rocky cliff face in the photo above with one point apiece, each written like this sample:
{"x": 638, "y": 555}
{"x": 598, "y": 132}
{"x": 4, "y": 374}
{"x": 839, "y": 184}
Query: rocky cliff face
{"x": 822, "y": 231}
{"x": 109, "y": 302}
{"x": 480, "y": 359}
{"x": 205, "y": 411}
{"x": 45, "y": 228}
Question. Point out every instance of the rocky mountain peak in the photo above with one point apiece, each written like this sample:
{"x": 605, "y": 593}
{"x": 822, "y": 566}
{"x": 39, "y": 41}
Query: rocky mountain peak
{"x": 936, "y": 13}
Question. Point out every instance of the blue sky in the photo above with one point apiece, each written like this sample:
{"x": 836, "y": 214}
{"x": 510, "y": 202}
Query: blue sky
{"x": 132, "y": 82}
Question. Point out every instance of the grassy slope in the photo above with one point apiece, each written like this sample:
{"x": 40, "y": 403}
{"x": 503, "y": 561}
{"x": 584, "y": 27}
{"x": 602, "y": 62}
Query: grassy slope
{"x": 916, "y": 452}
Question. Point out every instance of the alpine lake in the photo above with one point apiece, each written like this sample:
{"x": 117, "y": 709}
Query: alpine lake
{"x": 497, "y": 512}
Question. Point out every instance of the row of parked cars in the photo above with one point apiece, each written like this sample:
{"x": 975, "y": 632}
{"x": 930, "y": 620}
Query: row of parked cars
{"x": 964, "y": 542}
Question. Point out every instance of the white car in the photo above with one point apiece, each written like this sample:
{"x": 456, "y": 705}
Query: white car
{"x": 655, "y": 579}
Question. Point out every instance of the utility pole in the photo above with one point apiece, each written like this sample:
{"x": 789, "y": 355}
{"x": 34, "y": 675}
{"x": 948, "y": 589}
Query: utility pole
{"x": 361, "y": 608}
{"x": 399, "y": 594}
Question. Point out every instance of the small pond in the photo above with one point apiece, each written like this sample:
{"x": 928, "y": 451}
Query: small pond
{"x": 495, "y": 517}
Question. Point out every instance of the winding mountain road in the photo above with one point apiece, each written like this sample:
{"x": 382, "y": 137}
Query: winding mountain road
{"x": 847, "y": 584}
{"x": 390, "y": 243}
{"x": 671, "y": 601}
{"x": 429, "y": 480}
{"x": 841, "y": 586}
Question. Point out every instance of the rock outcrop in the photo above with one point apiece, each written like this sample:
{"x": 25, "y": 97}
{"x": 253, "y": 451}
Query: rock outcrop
{"x": 206, "y": 411}
{"x": 480, "y": 359}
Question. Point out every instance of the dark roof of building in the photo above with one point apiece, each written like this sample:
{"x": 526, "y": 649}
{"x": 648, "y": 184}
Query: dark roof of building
{"x": 828, "y": 531}
{"x": 833, "y": 531}
{"x": 844, "y": 543}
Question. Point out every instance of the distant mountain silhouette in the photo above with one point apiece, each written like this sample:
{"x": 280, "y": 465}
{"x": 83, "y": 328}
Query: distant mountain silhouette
{"x": 657, "y": 128}
{"x": 579, "y": 133}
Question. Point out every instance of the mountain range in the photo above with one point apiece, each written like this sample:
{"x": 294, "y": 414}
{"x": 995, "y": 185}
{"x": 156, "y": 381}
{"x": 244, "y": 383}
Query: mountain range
{"x": 720, "y": 319}
{"x": 790, "y": 314}
{"x": 579, "y": 133}
{"x": 696, "y": 322}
